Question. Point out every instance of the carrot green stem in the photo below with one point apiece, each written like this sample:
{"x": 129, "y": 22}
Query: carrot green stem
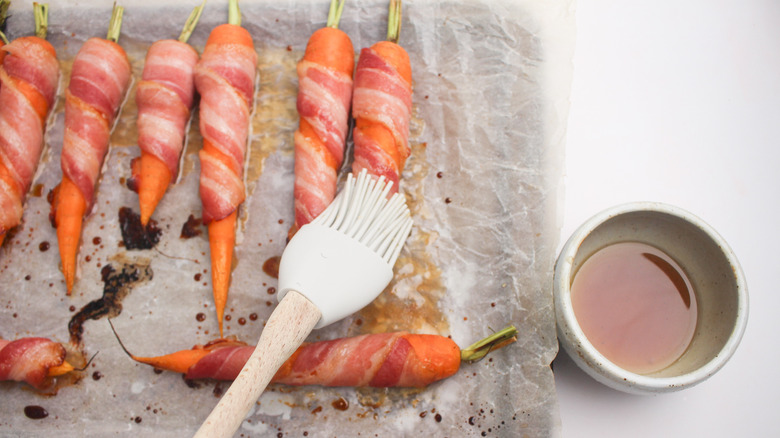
{"x": 115, "y": 26}
{"x": 4, "y": 4}
{"x": 334, "y": 14}
{"x": 192, "y": 21}
{"x": 394, "y": 21}
{"x": 234, "y": 13}
{"x": 41, "y": 12}
{"x": 480, "y": 349}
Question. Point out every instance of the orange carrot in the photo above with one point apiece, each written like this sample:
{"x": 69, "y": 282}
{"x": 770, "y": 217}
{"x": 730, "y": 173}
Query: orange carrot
{"x": 61, "y": 369}
{"x": 154, "y": 176}
{"x": 7, "y": 179}
{"x": 230, "y": 33}
{"x": 408, "y": 360}
{"x": 69, "y": 215}
{"x": 226, "y": 37}
{"x": 37, "y": 101}
{"x": 176, "y": 362}
{"x": 376, "y": 129}
{"x": 222, "y": 240}
{"x": 331, "y": 47}
{"x": 69, "y": 204}
{"x": 329, "y": 54}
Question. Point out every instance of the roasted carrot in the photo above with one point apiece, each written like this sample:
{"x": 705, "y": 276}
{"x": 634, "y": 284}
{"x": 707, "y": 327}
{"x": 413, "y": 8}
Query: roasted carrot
{"x": 324, "y": 98}
{"x": 152, "y": 173}
{"x": 87, "y": 122}
{"x": 383, "y": 74}
{"x": 17, "y": 172}
{"x": 222, "y": 240}
{"x": 408, "y": 360}
{"x": 152, "y": 184}
{"x": 224, "y": 140}
{"x": 69, "y": 215}
{"x": 33, "y": 360}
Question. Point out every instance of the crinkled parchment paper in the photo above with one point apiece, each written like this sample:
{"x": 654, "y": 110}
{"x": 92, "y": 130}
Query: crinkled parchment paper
{"x": 491, "y": 83}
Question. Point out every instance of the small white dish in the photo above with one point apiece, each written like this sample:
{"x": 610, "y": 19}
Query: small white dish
{"x": 709, "y": 263}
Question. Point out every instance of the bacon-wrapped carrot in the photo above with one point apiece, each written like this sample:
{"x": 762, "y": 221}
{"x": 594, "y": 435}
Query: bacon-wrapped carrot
{"x": 398, "y": 359}
{"x": 98, "y": 83}
{"x": 164, "y": 97}
{"x": 225, "y": 79}
{"x": 324, "y": 96}
{"x": 29, "y": 74}
{"x": 33, "y": 360}
{"x": 382, "y": 104}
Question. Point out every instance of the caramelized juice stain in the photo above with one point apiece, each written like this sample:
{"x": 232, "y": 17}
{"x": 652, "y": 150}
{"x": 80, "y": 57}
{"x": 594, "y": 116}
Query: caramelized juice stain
{"x": 193, "y": 144}
{"x": 275, "y": 117}
{"x": 411, "y": 300}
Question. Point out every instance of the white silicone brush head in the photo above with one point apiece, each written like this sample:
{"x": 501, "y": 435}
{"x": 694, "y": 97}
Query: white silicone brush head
{"x": 344, "y": 258}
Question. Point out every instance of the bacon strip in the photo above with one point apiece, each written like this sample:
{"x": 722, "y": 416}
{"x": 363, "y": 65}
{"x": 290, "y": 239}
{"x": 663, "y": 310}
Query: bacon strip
{"x": 29, "y": 75}
{"x": 224, "y": 77}
{"x": 98, "y": 83}
{"x": 382, "y": 96}
{"x": 165, "y": 97}
{"x": 29, "y": 360}
{"x": 324, "y": 97}
{"x": 380, "y": 360}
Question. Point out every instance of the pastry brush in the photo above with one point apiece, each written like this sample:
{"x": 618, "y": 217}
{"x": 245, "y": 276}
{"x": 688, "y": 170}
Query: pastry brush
{"x": 331, "y": 268}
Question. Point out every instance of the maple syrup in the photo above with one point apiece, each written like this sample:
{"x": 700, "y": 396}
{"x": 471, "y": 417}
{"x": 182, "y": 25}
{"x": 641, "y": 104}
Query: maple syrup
{"x": 635, "y": 305}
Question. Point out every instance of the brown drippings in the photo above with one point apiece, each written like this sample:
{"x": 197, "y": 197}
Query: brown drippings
{"x": 135, "y": 235}
{"x": 411, "y": 300}
{"x": 340, "y": 404}
{"x": 44, "y": 246}
{"x": 97, "y": 375}
{"x": 117, "y": 285}
{"x": 200, "y": 317}
{"x": 275, "y": 121}
{"x": 37, "y": 190}
{"x": 271, "y": 268}
{"x": 192, "y": 228}
{"x": 218, "y": 390}
{"x": 35, "y": 412}
{"x": 132, "y": 184}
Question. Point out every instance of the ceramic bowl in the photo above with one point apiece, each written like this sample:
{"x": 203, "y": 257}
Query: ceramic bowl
{"x": 707, "y": 260}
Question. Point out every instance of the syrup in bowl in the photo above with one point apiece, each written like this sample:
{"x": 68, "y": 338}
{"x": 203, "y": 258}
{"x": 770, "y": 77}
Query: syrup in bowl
{"x": 635, "y": 305}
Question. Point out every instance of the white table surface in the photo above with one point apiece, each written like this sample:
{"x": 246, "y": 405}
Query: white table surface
{"x": 679, "y": 102}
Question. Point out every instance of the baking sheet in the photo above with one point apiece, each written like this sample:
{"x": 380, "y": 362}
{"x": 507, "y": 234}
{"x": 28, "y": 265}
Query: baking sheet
{"x": 491, "y": 84}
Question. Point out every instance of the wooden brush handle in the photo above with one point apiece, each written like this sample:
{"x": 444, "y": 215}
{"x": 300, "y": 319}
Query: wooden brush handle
{"x": 286, "y": 329}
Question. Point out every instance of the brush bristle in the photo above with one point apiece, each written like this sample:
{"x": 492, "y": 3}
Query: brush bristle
{"x": 363, "y": 211}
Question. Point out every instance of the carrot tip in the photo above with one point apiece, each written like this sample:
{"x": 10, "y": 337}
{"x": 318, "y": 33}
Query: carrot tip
{"x": 222, "y": 239}
{"x": 69, "y": 216}
{"x": 61, "y": 369}
{"x": 154, "y": 177}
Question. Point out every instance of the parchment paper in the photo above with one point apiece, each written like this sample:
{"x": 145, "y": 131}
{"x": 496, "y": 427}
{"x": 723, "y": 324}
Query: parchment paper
{"x": 491, "y": 83}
